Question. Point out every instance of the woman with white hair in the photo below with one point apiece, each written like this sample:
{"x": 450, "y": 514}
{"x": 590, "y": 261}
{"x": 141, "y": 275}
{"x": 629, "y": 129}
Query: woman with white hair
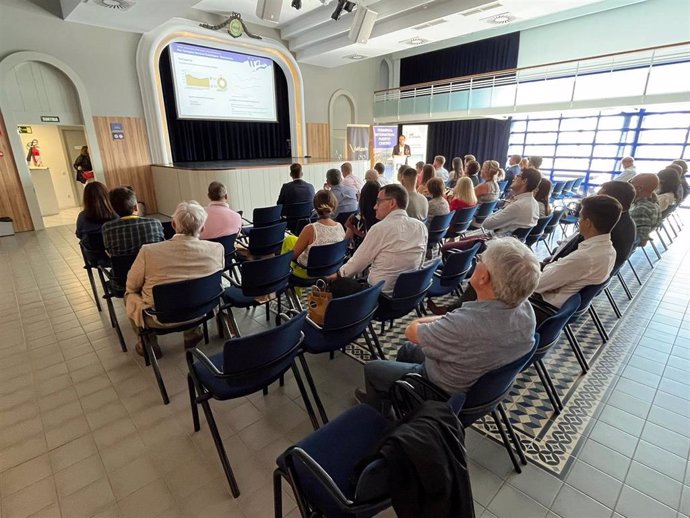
{"x": 181, "y": 258}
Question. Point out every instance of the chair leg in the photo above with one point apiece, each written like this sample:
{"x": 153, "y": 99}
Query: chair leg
{"x": 312, "y": 387}
{"x": 204, "y": 328}
{"x": 575, "y": 346}
{"x": 513, "y": 435}
{"x": 280, "y": 308}
{"x": 635, "y": 273}
{"x": 277, "y": 494}
{"x": 192, "y": 401}
{"x": 232, "y": 323}
{"x": 625, "y": 286}
{"x": 116, "y": 324}
{"x": 156, "y": 369}
{"x": 547, "y": 389}
{"x": 221, "y": 449}
{"x": 305, "y": 396}
{"x": 506, "y": 441}
{"x": 663, "y": 243}
{"x": 370, "y": 345}
{"x": 377, "y": 344}
{"x": 647, "y": 256}
{"x": 656, "y": 251}
{"x": 615, "y": 307}
{"x": 549, "y": 381}
{"x": 599, "y": 325}
{"x": 92, "y": 281}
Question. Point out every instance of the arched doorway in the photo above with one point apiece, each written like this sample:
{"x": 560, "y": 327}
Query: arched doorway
{"x": 342, "y": 110}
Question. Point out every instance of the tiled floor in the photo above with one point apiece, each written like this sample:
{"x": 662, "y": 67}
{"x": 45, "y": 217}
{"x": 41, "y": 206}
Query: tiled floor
{"x": 64, "y": 217}
{"x": 83, "y": 431}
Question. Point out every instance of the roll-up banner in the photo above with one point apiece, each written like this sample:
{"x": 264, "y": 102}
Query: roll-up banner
{"x": 415, "y": 137}
{"x": 358, "y": 142}
{"x": 384, "y": 139}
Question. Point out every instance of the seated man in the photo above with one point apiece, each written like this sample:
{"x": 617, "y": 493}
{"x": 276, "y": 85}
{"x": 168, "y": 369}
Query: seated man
{"x": 346, "y": 196}
{"x": 645, "y": 210}
{"x": 417, "y": 205}
{"x": 629, "y": 171}
{"x": 349, "y": 178}
{"x": 396, "y": 244}
{"x": 181, "y": 258}
{"x": 296, "y": 191}
{"x": 221, "y": 220}
{"x": 442, "y": 172}
{"x": 125, "y": 235}
{"x": 381, "y": 169}
{"x": 591, "y": 263}
{"x": 522, "y": 210}
{"x": 455, "y": 350}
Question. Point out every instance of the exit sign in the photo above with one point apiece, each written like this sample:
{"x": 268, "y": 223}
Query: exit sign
{"x": 24, "y": 129}
{"x": 50, "y": 118}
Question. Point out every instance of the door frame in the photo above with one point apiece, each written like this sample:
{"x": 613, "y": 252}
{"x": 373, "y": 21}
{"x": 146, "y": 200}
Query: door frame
{"x": 77, "y": 195}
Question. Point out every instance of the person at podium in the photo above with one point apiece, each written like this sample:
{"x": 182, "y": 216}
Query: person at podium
{"x": 401, "y": 150}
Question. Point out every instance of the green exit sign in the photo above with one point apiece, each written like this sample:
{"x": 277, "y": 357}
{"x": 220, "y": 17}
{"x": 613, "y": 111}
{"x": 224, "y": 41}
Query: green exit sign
{"x": 50, "y": 118}
{"x": 24, "y": 129}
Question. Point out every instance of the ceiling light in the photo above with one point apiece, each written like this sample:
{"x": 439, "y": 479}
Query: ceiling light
{"x": 356, "y": 57}
{"x": 416, "y": 41}
{"x": 500, "y": 19}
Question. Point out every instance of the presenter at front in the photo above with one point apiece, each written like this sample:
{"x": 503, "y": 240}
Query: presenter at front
{"x": 402, "y": 149}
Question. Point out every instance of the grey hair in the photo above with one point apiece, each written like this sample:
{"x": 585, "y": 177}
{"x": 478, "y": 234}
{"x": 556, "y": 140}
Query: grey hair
{"x": 334, "y": 177}
{"x": 514, "y": 270}
{"x": 189, "y": 218}
{"x": 371, "y": 175}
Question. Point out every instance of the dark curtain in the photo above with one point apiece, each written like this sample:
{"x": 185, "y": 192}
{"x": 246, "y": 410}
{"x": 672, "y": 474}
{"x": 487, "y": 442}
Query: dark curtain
{"x": 487, "y": 139}
{"x": 200, "y": 140}
{"x": 499, "y": 53}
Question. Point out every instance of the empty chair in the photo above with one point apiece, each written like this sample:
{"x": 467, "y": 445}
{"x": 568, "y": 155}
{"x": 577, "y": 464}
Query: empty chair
{"x": 567, "y": 189}
{"x": 537, "y": 231}
{"x": 462, "y": 219}
{"x": 484, "y": 210}
{"x": 260, "y": 278}
{"x": 263, "y": 217}
{"x": 228, "y": 243}
{"x": 114, "y": 280}
{"x": 557, "y": 193}
{"x": 245, "y": 366}
{"x": 297, "y": 215}
{"x": 180, "y": 306}
{"x": 332, "y": 471}
{"x": 94, "y": 255}
{"x": 266, "y": 240}
{"x": 457, "y": 265}
{"x": 438, "y": 227}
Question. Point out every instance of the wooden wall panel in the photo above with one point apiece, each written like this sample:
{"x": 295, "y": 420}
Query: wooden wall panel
{"x": 127, "y": 161}
{"x": 318, "y": 139}
{"x": 12, "y": 199}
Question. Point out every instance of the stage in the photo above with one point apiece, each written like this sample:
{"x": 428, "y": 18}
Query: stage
{"x": 250, "y": 183}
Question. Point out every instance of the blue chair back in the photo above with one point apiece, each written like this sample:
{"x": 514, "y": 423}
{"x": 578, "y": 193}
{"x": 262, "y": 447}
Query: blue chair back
{"x": 587, "y": 295}
{"x": 267, "y": 240}
{"x": 484, "y": 210}
{"x": 186, "y": 300}
{"x": 228, "y": 243}
{"x": 266, "y": 276}
{"x": 557, "y": 192}
{"x": 538, "y": 230}
{"x": 491, "y": 388}
{"x": 409, "y": 291}
{"x": 266, "y": 216}
{"x": 556, "y": 216}
{"x": 295, "y": 213}
{"x": 521, "y": 233}
{"x": 502, "y": 186}
{"x": 461, "y": 221}
{"x": 325, "y": 260}
{"x": 438, "y": 227}
{"x": 168, "y": 230}
{"x": 551, "y": 328}
{"x": 567, "y": 188}
{"x": 93, "y": 249}
{"x": 577, "y": 183}
{"x": 457, "y": 265}
{"x": 120, "y": 265}
{"x": 342, "y": 217}
{"x": 255, "y": 361}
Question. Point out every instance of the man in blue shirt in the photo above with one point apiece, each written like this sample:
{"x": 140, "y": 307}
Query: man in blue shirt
{"x": 346, "y": 196}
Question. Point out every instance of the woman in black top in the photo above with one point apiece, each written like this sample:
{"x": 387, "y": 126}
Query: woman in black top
{"x": 97, "y": 209}
{"x": 83, "y": 163}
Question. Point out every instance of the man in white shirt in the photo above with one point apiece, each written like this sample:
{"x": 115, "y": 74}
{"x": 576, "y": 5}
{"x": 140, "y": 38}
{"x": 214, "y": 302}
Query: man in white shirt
{"x": 349, "y": 179}
{"x": 594, "y": 258}
{"x": 381, "y": 170}
{"x": 439, "y": 161}
{"x": 417, "y": 205}
{"x": 396, "y": 244}
{"x": 522, "y": 210}
{"x": 629, "y": 171}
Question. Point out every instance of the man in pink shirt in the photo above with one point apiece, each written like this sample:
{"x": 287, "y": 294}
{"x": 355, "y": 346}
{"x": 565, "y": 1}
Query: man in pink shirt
{"x": 222, "y": 220}
{"x": 350, "y": 179}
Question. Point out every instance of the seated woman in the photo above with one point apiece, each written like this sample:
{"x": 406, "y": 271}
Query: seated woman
{"x": 438, "y": 206}
{"x": 427, "y": 174}
{"x": 97, "y": 210}
{"x": 472, "y": 172}
{"x": 323, "y": 231}
{"x": 457, "y": 172}
{"x": 543, "y": 195}
{"x": 669, "y": 186}
{"x": 463, "y": 195}
{"x": 488, "y": 191}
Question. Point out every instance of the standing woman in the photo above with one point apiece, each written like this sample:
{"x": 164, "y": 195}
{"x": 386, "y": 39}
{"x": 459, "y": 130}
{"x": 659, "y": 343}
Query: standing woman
{"x": 543, "y": 195}
{"x": 457, "y": 172}
{"x": 83, "y": 166}
{"x": 488, "y": 191}
{"x": 97, "y": 210}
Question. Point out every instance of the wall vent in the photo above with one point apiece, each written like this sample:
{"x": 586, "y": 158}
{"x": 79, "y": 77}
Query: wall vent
{"x": 117, "y": 5}
{"x": 432, "y": 23}
{"x": 482, "y": 9}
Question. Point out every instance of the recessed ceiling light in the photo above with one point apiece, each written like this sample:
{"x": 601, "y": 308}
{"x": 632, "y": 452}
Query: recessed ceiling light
{"x": 500, "y": 19}
{"x": 356, "y": 57}
{"x": 416, "y": 41}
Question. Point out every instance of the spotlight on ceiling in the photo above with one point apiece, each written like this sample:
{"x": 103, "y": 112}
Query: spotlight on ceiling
{"x": 297, "y": 4}
{"x": 343, "y": 5}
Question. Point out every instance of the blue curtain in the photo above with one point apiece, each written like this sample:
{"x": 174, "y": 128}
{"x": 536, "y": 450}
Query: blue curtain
{"x": 200, "y": 140}
{"x": 487, "y": 139}
{"x": 499, "y": 53}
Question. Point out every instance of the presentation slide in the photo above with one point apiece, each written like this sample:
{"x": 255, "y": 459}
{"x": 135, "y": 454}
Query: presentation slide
{"x": 215, "y": 84}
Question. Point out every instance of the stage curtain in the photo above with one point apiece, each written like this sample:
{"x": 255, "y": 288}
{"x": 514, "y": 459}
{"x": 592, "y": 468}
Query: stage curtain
{"x": 487, "y": 139}
{"x": 499, "y": 53}
{"x": 200, "y": 140}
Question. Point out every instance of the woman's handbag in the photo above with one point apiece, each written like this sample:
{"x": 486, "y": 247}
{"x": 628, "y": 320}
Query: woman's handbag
{"x": 317, "y": 302}
{"x": 87, "y": 175}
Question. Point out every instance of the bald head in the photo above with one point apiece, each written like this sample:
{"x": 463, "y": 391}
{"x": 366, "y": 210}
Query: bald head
{"x": 628, "y": 161}
{"x": 645, "y": 184}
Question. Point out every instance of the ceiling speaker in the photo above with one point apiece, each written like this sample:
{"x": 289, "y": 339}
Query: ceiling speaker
{"x": 269, "y": 10}
{"x": 362, "y": 25}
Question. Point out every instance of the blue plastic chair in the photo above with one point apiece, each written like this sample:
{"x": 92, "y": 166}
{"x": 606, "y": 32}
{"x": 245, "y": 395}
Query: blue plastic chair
{"x": 260, "y": 278}
{"x": 502, "y": 186}
{"x": 266, "y": 240}
{"x": 321, "y": 468}
{"x": 456, "y": 267}
{"x": 461, "y": 222}
{"x": 484, "y": 397}
{"x": 537, "y": 230}
{"x": 190, "y": 303}
{"x": 228, "y": 243}
{"x": 113, "y": 279}
{"x": 263, "y": 217}
{"x": 521, "y": 233}
{"x": 245, "y": 366}
{"x": 438, "y": 227}
{"x": 346, "y": 319}
{"x": 323, "y": 261}
{"x": 556, "y": 216}
{"x": 484, "y": 210}
{"x": 94, "y": 255}
{"x": 549, "y": 332}
{"x": 297, "y": 215}
{"x": 408, "y": 294}
{"x": 557, "y": 192}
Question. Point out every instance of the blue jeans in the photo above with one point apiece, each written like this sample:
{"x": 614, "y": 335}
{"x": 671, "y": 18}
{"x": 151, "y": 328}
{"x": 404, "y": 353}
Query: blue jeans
{"x": 379, "y": 375}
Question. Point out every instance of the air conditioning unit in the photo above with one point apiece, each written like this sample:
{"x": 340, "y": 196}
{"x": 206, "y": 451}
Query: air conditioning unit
{"x": 118, "y": 5}
{"x": 362, "y": 25}
{"x": 269, "y": 10}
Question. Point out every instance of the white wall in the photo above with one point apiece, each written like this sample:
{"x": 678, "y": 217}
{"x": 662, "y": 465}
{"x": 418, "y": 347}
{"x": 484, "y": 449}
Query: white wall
{"x": 103, "y": 58}
{"x": 648, "y": 24}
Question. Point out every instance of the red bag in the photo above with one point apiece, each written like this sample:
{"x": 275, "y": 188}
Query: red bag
{"x": 87, "y": 175}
